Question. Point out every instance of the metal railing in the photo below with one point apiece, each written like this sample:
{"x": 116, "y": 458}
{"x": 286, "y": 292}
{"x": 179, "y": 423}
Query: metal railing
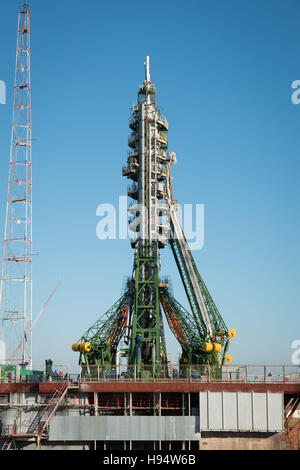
{"x": 163, "y": 120}
{"x": 133, "y": 118}
{"x": 37, "y": 374}
{"x": 162, "y": 155}
{"x": 133, "y": 137}
{"x": 162, "y": 137}
{"x": 8, "y": 430}
{"x": 168, "y": 373}
{"x": 132, "y": 166}
{"x": 197, "y": 373}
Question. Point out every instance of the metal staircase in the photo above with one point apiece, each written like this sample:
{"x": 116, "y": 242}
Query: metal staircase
{"x": 39, "y": 425}
{"x": 8, "y": 444}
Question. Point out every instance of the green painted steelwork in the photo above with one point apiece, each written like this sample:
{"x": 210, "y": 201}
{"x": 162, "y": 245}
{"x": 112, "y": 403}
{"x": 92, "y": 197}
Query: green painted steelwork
{"x": 191, "y": 342}
{"x": 219, "y": 328}
{"x": 146, "y": 346}
{"x": 104, "y": 336}
{"x": 202, "y": 334}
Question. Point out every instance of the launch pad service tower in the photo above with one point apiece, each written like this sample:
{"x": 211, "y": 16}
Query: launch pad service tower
{"x": 128, "y": 394}
{"x": 155, "y": 223}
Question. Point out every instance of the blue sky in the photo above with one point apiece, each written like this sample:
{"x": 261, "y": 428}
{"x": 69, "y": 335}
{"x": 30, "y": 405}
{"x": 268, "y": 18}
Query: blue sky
{"x": 223, "y": 71}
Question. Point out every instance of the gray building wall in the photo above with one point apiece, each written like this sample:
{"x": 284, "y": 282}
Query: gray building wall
{"x": 240, "y": 411}
{"x": 218, "y": 411}
{"x": 124, "y": 428}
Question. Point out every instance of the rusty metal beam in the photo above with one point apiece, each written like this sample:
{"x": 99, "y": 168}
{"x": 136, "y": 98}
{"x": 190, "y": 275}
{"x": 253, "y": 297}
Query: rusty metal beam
{"x": 188, "y": 387}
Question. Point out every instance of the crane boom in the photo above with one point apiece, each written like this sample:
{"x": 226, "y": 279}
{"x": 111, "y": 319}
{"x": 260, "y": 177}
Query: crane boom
{"x": 34, "y": 322}
{"x": 36, "y": 318}
{"x": 185, "y": 256}
{"x": 177, "y": 238}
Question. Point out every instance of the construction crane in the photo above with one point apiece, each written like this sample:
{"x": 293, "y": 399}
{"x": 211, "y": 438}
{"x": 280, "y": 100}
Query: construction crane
{"x": 36, "y": 318}
{"x": 154, "y": 223}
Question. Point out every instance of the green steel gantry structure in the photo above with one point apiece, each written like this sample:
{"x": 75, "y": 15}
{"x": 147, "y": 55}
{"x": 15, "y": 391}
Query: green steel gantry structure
{"x": 137, "y": 315}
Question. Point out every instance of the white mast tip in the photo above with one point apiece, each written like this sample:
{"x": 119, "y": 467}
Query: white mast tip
{"x": 147, "y": 69}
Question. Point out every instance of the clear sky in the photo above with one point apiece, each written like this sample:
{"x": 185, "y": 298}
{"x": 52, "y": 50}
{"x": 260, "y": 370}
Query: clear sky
{"x": 223, "y": 71}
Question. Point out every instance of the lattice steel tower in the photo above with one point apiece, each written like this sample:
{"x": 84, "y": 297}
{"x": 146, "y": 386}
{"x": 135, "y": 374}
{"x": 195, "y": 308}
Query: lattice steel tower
{"x": 138, "y": 315}
{"x": 16, "y": 274}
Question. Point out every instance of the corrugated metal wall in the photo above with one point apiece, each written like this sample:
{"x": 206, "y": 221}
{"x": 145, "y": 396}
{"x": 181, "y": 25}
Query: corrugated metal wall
{"x": 218, "y": 411}
{"x": 225, "y": 411}
{"x": 124, "y": 428}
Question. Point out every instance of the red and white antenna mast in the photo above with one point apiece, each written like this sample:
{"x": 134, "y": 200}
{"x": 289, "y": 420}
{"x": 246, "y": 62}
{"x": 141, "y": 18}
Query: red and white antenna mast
{"x": 16, "y": 273}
